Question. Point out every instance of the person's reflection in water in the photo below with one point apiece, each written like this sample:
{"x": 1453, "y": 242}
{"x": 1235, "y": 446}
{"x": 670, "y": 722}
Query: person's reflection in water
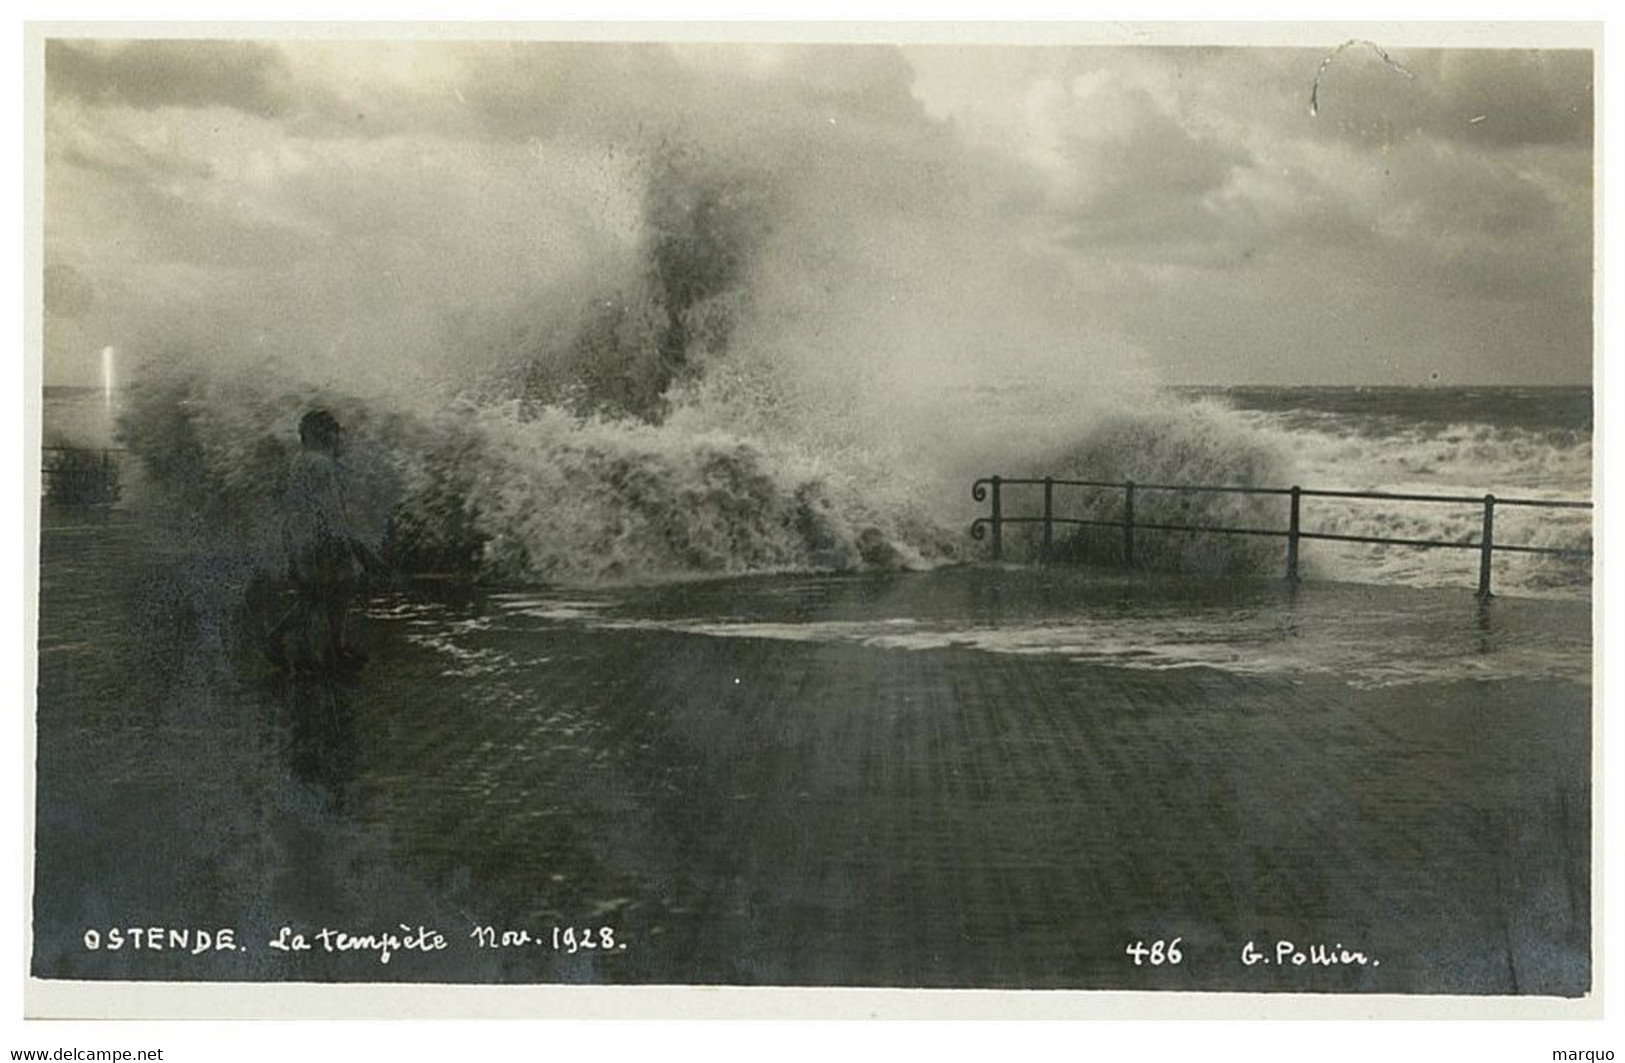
{"x": 324, "y": 748}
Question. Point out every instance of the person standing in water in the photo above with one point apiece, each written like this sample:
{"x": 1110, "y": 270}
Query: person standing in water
{"x": 325, "y": 559}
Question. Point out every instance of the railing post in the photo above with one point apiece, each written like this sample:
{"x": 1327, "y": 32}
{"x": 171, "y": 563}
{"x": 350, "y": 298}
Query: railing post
{"x": 1049, "y": 515}
{"x": 998, "y": 526}
{"x": 1292, "y": 537}
{"x": 1128, "y": 524}
{"x": 1486, "y": 547}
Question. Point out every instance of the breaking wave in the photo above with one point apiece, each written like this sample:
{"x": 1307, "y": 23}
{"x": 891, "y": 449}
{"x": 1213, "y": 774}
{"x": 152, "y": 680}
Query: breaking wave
{"x": 514, "y": 491}
{"x": 498, "y": 493}
{"x": 730, "y": 394}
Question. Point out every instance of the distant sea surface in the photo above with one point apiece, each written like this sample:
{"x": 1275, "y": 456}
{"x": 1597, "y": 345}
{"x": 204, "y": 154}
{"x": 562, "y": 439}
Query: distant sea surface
{"x": 1555, "y": 409}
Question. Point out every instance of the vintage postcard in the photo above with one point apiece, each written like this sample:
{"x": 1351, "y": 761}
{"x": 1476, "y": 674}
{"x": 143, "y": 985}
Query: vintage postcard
{"x": 844, "y": 508}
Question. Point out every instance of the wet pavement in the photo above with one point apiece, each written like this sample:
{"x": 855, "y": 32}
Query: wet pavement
{"x": 755, "y": 809}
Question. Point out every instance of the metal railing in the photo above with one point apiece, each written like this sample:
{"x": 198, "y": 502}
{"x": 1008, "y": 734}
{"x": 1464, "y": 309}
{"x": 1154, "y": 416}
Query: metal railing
{"x": 1294, "y": 533}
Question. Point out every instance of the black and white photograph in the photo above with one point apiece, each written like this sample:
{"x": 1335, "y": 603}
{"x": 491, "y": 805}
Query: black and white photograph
{"x": 830, "y": 510}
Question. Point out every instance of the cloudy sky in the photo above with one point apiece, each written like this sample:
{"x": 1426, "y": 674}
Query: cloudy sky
{"x": 391, "y": 203}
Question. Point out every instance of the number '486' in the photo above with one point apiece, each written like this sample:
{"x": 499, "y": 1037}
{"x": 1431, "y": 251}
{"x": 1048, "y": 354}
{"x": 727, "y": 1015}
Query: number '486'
{"x": 1159, "y": 952}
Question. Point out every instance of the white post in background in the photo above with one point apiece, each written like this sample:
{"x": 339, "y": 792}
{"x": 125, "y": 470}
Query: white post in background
{"x": 107, "y": 379}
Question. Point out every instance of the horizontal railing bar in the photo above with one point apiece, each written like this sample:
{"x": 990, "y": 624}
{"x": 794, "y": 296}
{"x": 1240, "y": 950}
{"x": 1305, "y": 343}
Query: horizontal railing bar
{"x": 1497, "y": 547}
{"x": 1218, "y": 489}
{"x": 1393, "y": 496}
{"x": 1326, "y": 536}
{"x": 1138, "y": 526}
{"x": 1119, "y": 484}
{"x": 1464, "y": 500}
{"x": 1397, "y": 496}
{"x": 1214, "y": 528}
{"x": 1329, "y": 537}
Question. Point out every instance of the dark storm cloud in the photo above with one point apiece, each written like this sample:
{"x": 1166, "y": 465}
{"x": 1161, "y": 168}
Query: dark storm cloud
{"x": 242, "y": 75}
